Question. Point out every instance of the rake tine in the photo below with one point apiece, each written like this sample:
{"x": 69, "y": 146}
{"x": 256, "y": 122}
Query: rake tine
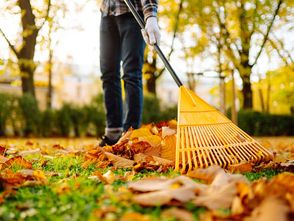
{"x": 226, "y": 160}
{"x": 183, "y": 152}
{"x": 194, "y": 148}
{"x": 189, "y": 145}
{"x": 197, "y": 147}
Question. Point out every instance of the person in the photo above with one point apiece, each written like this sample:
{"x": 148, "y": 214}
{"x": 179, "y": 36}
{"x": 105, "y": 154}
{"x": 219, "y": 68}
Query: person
{"x": 122, "y": 40}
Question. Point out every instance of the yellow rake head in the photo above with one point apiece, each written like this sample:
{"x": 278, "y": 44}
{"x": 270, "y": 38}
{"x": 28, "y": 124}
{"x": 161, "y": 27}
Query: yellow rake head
{"x": 206, "y": 137}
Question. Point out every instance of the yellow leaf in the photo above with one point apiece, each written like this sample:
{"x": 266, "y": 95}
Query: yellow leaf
{"x": 142, "y": 132}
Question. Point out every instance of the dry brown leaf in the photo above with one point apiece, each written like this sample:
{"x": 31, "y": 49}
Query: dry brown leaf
{"x": 106, "y": 178}
{"x": 3, "y": 160}
{"x": 142, "y": 132}
{"x": 126, "y": 136}
{"x": 104, "y": 210}
{"x": 157, "y": 198}
{"x": 140, "y": 157}
{"x": 133, "y": 216}
{"x": 28, "y": 152}
{"x": 11, "y": 180}
{"x": 19, "y": 161}
{"x": 217, "y": 197}
{"x": 179, "y": 214}
{"x": 207, "y": 174}
{"x": 109, "y": 176}
{"x": 145, "y": 147}
{"x": 167, "y": 131}
{"x": 168, "y": 148}
{"x": 159, "y": 183}
{"x": 153, "y": 140}
{"x": 222, "y": 189}
{"x": 271, "y": 209}
{"x": 162, "y": 191}
{"x": 119, "y": 162}
{"x": 2, "y": 150}
{"x": 240, "y": 168}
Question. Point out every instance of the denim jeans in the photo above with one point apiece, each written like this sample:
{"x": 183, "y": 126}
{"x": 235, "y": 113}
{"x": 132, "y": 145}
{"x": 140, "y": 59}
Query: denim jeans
{"x": 121, "y": 41}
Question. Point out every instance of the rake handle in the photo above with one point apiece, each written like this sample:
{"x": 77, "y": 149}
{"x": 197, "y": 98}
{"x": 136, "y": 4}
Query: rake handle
{"x": 155, "y": 46}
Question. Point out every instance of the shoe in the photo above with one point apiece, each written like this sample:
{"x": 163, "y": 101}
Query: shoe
{"x": 106, "y": 141}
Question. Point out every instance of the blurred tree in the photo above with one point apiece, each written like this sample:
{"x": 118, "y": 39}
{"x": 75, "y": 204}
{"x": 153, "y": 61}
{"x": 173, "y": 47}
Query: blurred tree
{"x": 278, "y": 86}
{"x": 32, "y": 20}
{"x": 57, "y": 13}
{"x": 235, "y": 32}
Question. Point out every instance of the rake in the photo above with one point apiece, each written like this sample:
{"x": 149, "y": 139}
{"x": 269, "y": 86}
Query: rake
{"x": 205, "y": 136}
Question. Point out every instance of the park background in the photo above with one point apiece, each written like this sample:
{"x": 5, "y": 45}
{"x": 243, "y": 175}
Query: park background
{"x": 236, "y": 55}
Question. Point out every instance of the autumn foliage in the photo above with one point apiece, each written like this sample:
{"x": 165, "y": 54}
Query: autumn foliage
{"x": 136, "y": 176}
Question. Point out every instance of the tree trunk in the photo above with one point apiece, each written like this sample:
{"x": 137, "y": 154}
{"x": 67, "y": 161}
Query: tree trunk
{"x": 261, "y": 100}
{"x": 26, "y": 54}
{"x": 222, "y": 87}
{"x": 268, "y": 98}
{"x": 247, "y": 93}
{"x": 49, "y": 95}
{"x": 151, "y": 84}
{"x": 27, "y": 79}
{"x": 234, "y": 108}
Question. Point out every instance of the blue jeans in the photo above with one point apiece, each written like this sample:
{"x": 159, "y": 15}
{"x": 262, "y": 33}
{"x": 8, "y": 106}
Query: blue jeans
{"x": 121, "y": 40}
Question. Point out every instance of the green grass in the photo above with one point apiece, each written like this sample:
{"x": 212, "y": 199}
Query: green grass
{"x": 73, "y": 196}
{"x": 267, "y": 173}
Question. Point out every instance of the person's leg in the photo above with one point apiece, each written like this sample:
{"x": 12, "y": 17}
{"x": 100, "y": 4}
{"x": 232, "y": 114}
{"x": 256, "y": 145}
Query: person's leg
{"x": 132, "y": 56}
{"x": 110, "y": 56}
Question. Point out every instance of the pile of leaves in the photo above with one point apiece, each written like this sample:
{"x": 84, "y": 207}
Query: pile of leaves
{"x": 151, "y": 147}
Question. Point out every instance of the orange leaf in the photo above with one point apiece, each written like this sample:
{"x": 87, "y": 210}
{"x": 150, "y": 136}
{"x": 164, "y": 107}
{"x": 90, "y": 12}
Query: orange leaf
{"x": 240, "y": 168}
{"x": 18, "y": 160}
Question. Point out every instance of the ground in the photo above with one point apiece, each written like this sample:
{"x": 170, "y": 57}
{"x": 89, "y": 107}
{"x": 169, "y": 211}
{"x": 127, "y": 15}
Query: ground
{"x": 57, "y": 179}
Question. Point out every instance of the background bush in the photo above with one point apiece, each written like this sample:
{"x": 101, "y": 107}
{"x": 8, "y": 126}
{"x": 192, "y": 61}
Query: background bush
{"x": 5, "y": 108}
{"x": 30, "y": 113}
{"x": 263, "y": 124}
{"x": 20, "y": 116}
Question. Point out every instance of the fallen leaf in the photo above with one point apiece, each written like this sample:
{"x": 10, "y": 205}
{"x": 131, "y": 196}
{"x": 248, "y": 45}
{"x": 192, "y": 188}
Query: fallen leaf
{"x": 133, "y": 216}
{"x": 2, "y": 149}
{"x": 142, "y": 132}
{"x": 168, "y": 148}
{"x": 207, "y": 174}
{"x": 28, "y": 152}
{"x": 140, "y": 157}
{"x": 161, "y": 191}
{"x": 106, "y": 178}
{"x": 146, "y": 148}
{"x": 109, "y": 176}
{"x": 119, "y": 162}
{"x": 126, "y": 136}
{"x": 240, "y": 168}
{"x": 179, "y": 214}
{"x": 167, "y": 131}
{"x": 159, "y": 183}
{"x": 217, "y": 197}
{"x": 153, "y": 140}
{"x": 19, "y": 161}
{"x": 271, "y": 209}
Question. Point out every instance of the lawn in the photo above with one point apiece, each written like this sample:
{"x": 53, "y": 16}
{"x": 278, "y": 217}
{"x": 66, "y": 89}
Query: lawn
{"x": 58, "y": 179}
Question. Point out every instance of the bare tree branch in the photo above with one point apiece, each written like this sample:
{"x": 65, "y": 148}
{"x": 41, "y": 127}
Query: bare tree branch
{"x": 282, "y": 45}
{"x": 46, "y": 16}
{"x": 254, "y": 17}
{"x": 268, "y": 31}
{"x": 174, "y": 36}
{"x": 274, "y": 45}
{"x": 9, "y": 43}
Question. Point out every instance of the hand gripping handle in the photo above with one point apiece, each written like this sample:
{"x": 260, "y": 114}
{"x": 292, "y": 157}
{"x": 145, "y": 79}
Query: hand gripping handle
{"x": 156, "y": 47}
